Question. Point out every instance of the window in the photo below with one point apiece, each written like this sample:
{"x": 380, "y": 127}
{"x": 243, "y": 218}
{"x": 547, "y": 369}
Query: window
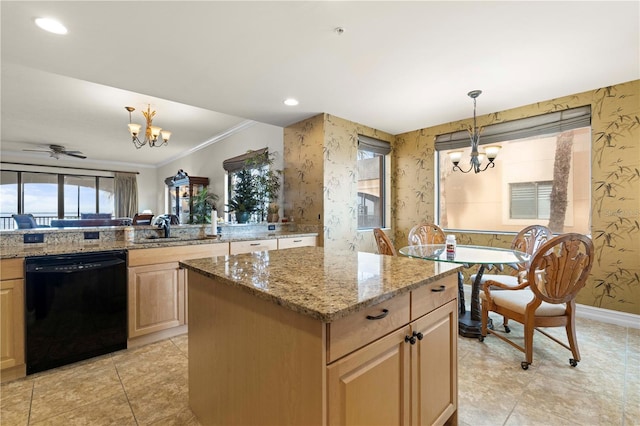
{"x": 49, "y": 196}
{"x": 530, "y": 200}
{"x": 372, "y": 157}
{"x": 530, "y": 183}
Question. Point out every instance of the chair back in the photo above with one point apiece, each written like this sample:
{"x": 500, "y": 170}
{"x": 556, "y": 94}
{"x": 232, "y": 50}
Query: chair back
{"x": 25, "y": 221}
{"x": 385, "y": 246}
{"x": 426, "y": 233}
{"x": 142, "y": 219}
{"x": 529, "y": 240}
{"x": 560, "y": 268}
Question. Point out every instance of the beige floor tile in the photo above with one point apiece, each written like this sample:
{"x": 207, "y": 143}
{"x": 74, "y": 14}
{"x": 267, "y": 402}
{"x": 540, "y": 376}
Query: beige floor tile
{"x": 111, "y": 411}
{"x": 62, "y": 390}
{"x": 182, "y": 418}
{"x": 152, "y": 401}
{"x": 182, "y": 342}
{"x": 561, "y": 398}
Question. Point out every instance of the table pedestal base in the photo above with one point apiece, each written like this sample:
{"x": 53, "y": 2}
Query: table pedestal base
{"x": 468, "y": 327}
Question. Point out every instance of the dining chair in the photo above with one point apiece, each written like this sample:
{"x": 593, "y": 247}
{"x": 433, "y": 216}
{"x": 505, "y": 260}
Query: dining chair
{"x": 528, "y": 240}
{"x": 426, "y": 233}
{"x": 142, "y": 219}
{"x": 385, "y": 246}
{"x": 546, "y": 296}
{"x": 25, "y": 221}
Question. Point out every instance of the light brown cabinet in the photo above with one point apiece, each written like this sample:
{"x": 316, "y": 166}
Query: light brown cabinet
{"x": 399, "y": 366}
{"x": 12, "y": 323}
{"x": 156, "y": 298}
{"x": 157, "y": 290}
{"x": 406, "y": 377}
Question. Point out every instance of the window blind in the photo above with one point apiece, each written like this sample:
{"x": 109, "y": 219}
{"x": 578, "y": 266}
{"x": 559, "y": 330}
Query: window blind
{"x": 238, "y": 163}
{"x": 538, "y": 125}
{"x": 378, "y": 146}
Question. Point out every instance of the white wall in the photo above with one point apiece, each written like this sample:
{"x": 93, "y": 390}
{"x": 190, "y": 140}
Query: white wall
{"x": 207, "y": 162}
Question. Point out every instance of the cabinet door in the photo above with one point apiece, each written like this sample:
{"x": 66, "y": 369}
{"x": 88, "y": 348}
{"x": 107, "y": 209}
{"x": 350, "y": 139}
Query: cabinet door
{"x": 156, "y": 298}
{"x": 434, "y": 362}
{"x": 11, "y": 323}
{"x": 371, "y": 385}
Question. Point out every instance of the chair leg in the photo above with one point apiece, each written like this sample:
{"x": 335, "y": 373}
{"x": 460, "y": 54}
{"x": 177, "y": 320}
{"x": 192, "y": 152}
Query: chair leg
{"x": 571, "y": 334}
{"x": 529, "y": 328}
{"x": 505, "y": 322}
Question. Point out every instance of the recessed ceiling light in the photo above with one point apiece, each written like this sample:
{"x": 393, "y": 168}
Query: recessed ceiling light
{"x": 51, "y": 25}
{"x": 291, "y": 102}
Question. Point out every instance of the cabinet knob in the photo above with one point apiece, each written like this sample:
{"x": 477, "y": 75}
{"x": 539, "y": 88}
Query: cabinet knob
{"x": 418, "y": 335}
{"x": 384, "y": 313}
{"x": 410, "y": 339}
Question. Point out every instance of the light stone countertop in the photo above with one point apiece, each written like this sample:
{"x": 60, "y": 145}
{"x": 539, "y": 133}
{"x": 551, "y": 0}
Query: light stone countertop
{"x": 87, "y": 246}
{"x": 322, "y": 284}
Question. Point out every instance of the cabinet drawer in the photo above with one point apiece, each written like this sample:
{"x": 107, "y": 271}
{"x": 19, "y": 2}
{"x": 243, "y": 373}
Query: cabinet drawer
{"x": 285, "y": 243}
{"x": 431, "y": 296}
{"x": 11, "y": 269}
{"x": 157, "y": 255}
{"x": 238, "y": 247}
{"x": 355, "y": 331}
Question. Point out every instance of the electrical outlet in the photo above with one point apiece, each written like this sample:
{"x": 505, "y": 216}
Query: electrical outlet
{"x": 33, "y": 238}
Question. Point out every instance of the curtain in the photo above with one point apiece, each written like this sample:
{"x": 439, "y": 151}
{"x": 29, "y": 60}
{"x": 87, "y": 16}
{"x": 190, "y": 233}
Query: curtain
{"x": 373, "y": 145}
{"x": 126, "y": 194}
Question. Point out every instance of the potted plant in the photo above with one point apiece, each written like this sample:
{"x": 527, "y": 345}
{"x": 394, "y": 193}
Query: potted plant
{"x": 244, "y": 199}
{"x": 272, "y": 212}
{"x": 268, "y": 183}
{"x": 203, "y": 204}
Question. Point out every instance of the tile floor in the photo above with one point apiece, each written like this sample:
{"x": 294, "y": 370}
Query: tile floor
{"x": 148, "y": 385}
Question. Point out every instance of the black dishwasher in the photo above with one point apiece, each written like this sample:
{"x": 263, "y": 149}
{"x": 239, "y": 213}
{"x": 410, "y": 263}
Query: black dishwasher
{"x": 76, "y": 307}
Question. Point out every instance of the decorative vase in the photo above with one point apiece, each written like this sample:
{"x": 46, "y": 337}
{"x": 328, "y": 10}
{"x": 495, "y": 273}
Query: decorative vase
{"x": 243, "y": 217}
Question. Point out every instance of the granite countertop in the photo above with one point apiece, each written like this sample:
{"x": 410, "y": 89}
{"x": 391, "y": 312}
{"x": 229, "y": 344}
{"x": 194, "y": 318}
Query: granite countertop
{"x": 322, "y": 284}
{"x": 86, "y": 246}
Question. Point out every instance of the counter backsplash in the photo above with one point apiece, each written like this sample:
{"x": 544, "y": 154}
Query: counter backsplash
{"x": 78, "y": 235}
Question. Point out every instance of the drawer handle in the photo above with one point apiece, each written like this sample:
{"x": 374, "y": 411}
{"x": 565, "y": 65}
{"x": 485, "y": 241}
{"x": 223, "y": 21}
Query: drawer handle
{"x": 384, "y": 313}
{"x": 297, "y": 241}
{"x": 255, "y": 244}
{"x": 439, "y": 289}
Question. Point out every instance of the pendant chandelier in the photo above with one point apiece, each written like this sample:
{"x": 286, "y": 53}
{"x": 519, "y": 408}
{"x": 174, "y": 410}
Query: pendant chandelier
{"x": 154, "y": 136}
{"x": 477, "y": 158}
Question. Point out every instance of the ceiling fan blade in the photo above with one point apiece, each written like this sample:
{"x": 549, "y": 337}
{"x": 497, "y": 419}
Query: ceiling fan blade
{"x": 73, "y": 154}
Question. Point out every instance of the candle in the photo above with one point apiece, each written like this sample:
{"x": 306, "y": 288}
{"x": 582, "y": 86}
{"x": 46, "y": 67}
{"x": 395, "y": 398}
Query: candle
{"x": 214, "y": 222}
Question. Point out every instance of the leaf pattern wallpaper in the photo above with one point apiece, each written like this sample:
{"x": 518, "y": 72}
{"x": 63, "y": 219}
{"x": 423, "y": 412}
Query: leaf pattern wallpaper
{"x": 321, "y": 185}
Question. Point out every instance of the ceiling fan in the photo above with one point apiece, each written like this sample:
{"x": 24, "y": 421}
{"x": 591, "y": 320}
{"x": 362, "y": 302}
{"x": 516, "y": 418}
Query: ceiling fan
{"x": 56, "y": 151}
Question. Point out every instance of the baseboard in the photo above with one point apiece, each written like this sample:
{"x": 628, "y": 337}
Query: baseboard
{"x": 609, "y": 316}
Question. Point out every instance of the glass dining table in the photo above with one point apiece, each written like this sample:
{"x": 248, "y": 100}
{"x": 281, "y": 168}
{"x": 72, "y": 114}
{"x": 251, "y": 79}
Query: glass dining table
{"x": 469, "y": 323}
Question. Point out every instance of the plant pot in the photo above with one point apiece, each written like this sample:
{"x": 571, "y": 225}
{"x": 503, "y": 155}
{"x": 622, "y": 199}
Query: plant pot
{"x": 243, "y": 217}
{"x": 273, "y": 218}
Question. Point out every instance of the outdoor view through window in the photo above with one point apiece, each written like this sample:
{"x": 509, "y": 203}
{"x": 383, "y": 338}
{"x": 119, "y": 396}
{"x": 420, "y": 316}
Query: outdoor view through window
{"x": 544, "y": 180}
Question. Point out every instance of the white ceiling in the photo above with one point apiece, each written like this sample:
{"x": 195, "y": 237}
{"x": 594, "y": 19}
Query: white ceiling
{"x": 210, "y": 67}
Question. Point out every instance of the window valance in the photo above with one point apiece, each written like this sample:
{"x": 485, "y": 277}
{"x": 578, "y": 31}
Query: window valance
{"x": 257, "y": 157}
{"x": 378, "y": 146}
{"x": 538, "y": 125}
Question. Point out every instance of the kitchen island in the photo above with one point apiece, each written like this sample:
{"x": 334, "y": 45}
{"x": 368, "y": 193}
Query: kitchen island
{"x": 308, "y": 336}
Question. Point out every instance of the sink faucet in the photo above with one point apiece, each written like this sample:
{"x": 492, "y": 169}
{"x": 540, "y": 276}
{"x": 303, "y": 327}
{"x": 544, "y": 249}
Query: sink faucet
{"x": 164, "y": 222}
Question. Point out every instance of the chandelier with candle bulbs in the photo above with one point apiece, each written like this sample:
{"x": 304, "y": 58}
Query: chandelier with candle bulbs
{"x": 154, "y": 136}
{"x": 477, "y": 158}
